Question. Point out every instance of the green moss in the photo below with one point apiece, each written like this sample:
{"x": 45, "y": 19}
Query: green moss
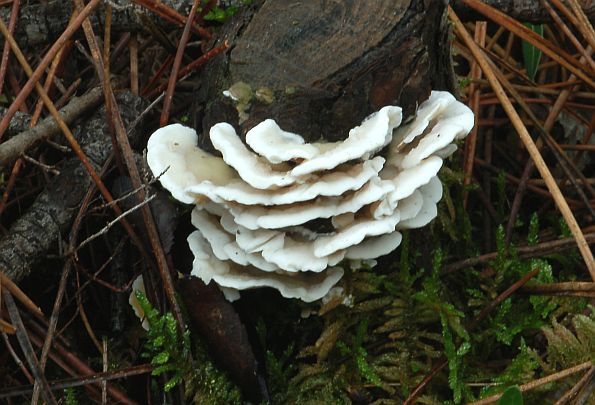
{"x": 171, "y": 353}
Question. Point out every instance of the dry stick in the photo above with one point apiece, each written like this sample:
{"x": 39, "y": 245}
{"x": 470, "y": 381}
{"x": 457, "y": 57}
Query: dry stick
{"x": 52, "y": 324}
{"x": 193, "y": 65}
{"x": 474, "y": 95}
{"x": 49, "y": 56}
{"x": 6, "y": 327}
{"x": 18, "y": 144}
{"x": 70, "y": 137}
{"x": 173, "y": 78}
{"x": 107, "y": 40}
{"x": 6, "y": 51}
{"x": 103, "y": 75}
{"x": 46, "y": 168}
{"x": 16, "y": 89}
{"x": 524, "y": 252}
{"x": 576, "y": 388}
{"x": 512, "y": 179}
{"x": 557, "y": 288}
{"x": 81, "y": 381}
{"x": 105, "y": 367}
{"x": 17, "y": 359}
{"x": 48, "y": 82}
{"x": 49, "y": 335}
{"x": 588, "y": 147}
{"x": 74, "y": 364}
{"x": 84, "y": 318}
{"x": 529, "y": 144}
{"x": 555, "y": 53}
{"x": 16, "y": 292}
{"x": 565, "y": 162}
{"x": 68, "y": 265}
{"x": 443, "y": 362}
{"x": 488, "y": 137}
{"x": 26, "y": 347}
{"x": 547, "y": 126}
{"x": 583, "y": 23}
{"x": 562, "y": 158}
{"x": 128, "y": 156}
{"x": 541, "y": 381}
{"x": 108, "y": 226}
{"x": 571, "y": 17}
{"x": 133, "y": 49}
{"x": 65, "y": 364}
{"x": 562, "y": 26}
{"x": 171, "y": 15}
{"x": 16, "y": 169}
{"x": 586, "y": 138}
{"x": 545, "y": 89}
{"x": 507, "y": 293}
{"x": 585, "y": 392}
{"x": 145, "y": 91}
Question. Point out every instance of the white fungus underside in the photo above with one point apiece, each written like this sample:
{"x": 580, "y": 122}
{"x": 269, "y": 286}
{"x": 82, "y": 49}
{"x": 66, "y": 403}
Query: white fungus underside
{"x": 255, "y": 217}
{"x": 306, "y": 286}
{"x": 253, "y": 203}
{"x": 431, "y": 193}
{"x": 329, "y": 184}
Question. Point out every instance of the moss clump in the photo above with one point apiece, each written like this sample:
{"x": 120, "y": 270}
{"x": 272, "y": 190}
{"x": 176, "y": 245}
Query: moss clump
{"x": 171, "y": 353}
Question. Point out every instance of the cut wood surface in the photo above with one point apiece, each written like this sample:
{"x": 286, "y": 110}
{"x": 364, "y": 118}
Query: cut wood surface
{"x": 328, "y": 64}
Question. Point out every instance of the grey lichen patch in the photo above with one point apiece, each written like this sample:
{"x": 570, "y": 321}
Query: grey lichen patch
{"x": 265, "y": 95}
{"x": 241, "y": 93}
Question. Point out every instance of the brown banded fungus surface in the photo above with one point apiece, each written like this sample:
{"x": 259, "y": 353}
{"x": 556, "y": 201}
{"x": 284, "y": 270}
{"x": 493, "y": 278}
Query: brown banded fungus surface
{"x": 254, "y": 205}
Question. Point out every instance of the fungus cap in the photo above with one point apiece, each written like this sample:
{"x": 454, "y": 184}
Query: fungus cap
{"x": 172, "y": 155}
{"x": 257, "y": 205}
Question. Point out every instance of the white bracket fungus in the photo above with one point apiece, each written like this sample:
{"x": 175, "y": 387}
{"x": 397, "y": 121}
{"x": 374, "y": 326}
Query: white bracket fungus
{"x": 253, "y": 205}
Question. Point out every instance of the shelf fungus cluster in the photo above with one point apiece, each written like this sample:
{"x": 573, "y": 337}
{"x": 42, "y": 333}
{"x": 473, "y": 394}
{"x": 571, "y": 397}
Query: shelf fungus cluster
{"x": 259, "y": 208}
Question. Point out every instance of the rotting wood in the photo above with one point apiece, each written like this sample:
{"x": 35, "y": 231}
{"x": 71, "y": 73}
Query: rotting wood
{"x": 328, "y": 64}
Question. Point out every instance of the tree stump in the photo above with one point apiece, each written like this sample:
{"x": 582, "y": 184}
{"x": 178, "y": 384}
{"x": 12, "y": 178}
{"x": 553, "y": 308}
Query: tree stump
{"x": 320, "y": 67}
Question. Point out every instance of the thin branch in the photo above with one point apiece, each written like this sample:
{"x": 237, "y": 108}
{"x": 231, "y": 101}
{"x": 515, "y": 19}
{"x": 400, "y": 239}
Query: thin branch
{"x": 115, "y": 221}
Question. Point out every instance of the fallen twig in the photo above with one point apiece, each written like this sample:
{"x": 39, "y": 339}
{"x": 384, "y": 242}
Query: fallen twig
{"x": 529, "y": 144}
{"x": 115, "y": 221}
{"x": 20, "y": 143}
{"x": 541, "y": 381}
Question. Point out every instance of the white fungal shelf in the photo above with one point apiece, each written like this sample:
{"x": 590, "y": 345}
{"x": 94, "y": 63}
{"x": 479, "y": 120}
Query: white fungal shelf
{"x": 251, "y": 205}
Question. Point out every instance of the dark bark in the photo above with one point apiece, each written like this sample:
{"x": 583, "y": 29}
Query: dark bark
{"x": 31, "y": 237}
{"x": 522, "y": 10}
{"x": 42, "y": 22}
{"x": 18, "y": 123}
{"x": 218, "y": 323}
{"x": 329, "y": 64}
{"x": 14, "y": 147}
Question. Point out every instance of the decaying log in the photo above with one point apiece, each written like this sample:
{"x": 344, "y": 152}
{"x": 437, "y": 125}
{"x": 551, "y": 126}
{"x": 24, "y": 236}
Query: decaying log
{"x": 31, "y": 236}
{"x": 328, "y": 64}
